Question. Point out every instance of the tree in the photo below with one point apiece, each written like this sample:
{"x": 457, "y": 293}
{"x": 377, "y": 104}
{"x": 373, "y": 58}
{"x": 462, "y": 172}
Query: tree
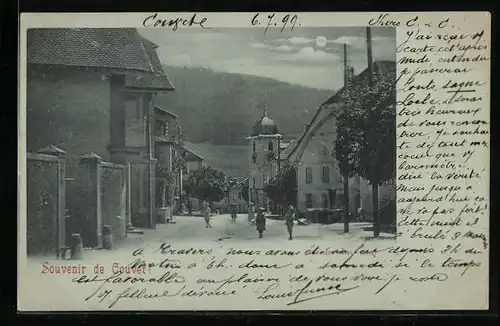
{"x": 283, "y": 187}
{"x": 207, "y": 184}
{"x": 376, "y": 129}
{"x": 165, "y": 186}
{"x": 346, "y": 152}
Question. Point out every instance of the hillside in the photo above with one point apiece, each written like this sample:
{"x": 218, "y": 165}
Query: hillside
{"x": 230, "y": 159}
{"x": 220, "y": 108}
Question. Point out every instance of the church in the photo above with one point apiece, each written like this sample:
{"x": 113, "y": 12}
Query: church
{"x": 264, "y": 153}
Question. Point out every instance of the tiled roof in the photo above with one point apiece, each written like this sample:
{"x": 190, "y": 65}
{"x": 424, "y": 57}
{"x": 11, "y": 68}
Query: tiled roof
{"x": 114, "y": 48}
{"x": 119, "y": 48}
{"x": 166, "y": 111}
{"x": 156, "y": 81}
{"x": 150, "y": 48}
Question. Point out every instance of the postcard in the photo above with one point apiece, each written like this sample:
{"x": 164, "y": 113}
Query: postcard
{"x": 254, "y": 161}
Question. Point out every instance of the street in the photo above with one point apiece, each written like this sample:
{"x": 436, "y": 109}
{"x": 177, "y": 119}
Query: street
{"x": 192, "y": 228}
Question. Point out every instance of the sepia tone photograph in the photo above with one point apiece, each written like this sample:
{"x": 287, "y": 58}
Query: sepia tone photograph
{"x": 241, "y": 135}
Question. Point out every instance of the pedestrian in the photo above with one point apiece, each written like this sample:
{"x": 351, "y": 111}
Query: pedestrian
{"x": 206, "y": 214}
{"x": 361, "y": 214}
{"x": 234, "y": 213}
{"x": 289, "y": 219}
{"x": 251, "y": 214}
{"x": 260, "y": 221}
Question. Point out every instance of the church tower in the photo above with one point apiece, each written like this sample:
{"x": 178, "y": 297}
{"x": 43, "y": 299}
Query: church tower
{"x": 263, "y": 153}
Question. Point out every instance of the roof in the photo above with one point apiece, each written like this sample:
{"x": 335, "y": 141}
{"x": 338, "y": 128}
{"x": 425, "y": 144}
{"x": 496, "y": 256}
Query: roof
{"x": 155, "y": 82}
{"x": 119, "y": 48}
{"x": 192, "y": 154}
{"x": 264, "y": 126}
{"x": 161, "y": 139}
{"x": 384, "y": 70}
{"x": 159, "y": 80}
{"x": 288, "y": 149}
{"x": 111, "y": 48}
{"x": 166, "y": 112}
{"x": 239, "y": 183}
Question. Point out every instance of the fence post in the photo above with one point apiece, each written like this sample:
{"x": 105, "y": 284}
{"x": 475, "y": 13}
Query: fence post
{"x": 128, "y": 208}
{"x": 60, "y": 219}
{"x": 90, "y": 173}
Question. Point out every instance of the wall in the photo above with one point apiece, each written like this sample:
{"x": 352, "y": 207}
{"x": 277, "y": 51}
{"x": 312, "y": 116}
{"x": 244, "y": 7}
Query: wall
{"x": 192, "y": 166}
{"x": 386, "y": 193}
{"x": 68, "y": 108}
{"x": 317, "y": 155}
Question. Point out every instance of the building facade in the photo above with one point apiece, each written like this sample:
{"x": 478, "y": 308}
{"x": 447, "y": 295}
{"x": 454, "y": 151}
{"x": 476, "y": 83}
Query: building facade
{"x": 92, "y": 90}
{"x": 320, "y": 185}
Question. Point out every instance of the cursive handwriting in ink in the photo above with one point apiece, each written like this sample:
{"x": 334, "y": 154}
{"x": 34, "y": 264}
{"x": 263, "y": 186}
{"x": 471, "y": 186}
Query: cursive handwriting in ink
{"x": 305, "y": 293}
{"x": 174, "y": 23}
{"x": 272, "y": 20}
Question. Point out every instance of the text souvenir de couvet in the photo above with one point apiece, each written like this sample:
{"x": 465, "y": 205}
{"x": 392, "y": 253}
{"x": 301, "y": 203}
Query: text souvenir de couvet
{"x": 254, "y": 161}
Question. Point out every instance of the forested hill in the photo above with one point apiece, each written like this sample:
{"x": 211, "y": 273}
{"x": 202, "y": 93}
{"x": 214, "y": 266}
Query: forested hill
{"x": 221, "y": 108}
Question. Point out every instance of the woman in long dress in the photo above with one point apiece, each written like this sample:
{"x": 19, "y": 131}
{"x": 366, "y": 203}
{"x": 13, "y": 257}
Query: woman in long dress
{"x": 251, "y": 214}
{"x": 206, "y": 215}
{"x": 234, "y": 213}
{"x": 260, "y": 222}
{"x": 289, "y": 219}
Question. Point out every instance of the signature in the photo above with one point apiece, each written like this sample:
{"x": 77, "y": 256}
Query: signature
{"x": 305, "y": 293}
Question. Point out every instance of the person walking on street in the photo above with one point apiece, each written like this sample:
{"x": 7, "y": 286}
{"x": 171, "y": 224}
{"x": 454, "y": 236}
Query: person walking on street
{"x": 206, "y": 214}
{"x": 251, "y": 214}
{"x": 261, "y": 222}
{"x": 289, "y": 219}
{"x": 234, "y": 213}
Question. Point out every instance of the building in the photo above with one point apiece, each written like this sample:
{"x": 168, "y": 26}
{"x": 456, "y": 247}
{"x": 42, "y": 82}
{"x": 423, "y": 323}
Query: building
{"x": 264, "y": 150}
{"x": 166, "y": 139}
{"x": 193, "y": 162}
{"x": 92, "y": 90}
{"x": 235, "y": 197}
{"x": 320, "y": 185}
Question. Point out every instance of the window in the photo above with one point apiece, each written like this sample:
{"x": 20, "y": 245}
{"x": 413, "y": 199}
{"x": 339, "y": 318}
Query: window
{"x": 326, "y": 174}
{"x": 253, "y": 179}
{"x": 309, "y": 201}
{"x": 309, "y": 176}
{"x": 159, "y": 127}
{"x": 270, "y": 145}
{"x": 324, "y": 200}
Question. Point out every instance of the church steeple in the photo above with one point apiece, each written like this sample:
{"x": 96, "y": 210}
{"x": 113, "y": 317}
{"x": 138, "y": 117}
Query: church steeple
{"x": 264, "y": 108}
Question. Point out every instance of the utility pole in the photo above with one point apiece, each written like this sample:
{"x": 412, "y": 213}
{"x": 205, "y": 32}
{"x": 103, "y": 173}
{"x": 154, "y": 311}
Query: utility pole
{"x": 369, "y": 53}
{"x": 346, "y": 179}
{"x": 376, "y": 222}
